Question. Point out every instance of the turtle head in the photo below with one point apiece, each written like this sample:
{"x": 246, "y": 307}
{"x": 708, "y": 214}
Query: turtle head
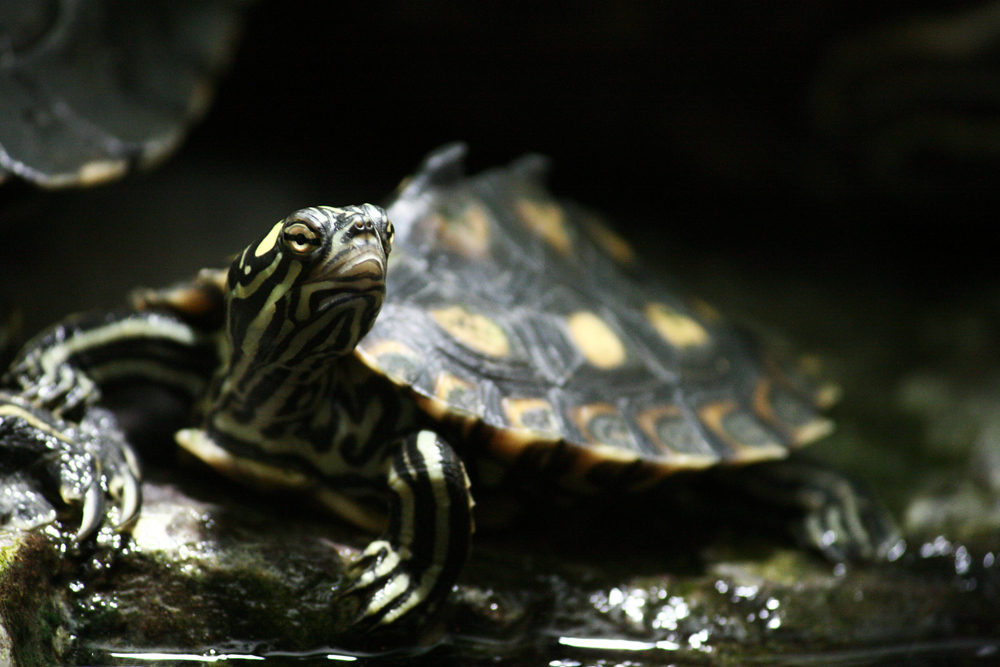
{"x": 311, "y": 287}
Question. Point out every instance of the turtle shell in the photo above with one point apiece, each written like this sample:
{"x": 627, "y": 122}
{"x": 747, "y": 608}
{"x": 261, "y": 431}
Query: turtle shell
{"x": 92, "y": 88}
{"x": 511, "y": 310}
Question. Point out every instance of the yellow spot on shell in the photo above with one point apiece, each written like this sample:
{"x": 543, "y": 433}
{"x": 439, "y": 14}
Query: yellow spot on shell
{"x": 707, "y": 311}
{"x": 467, "y": 233}
{"x": 812, "y": 431}
{"x": 610, "y": 242}
{"x": 674, "y": 438}
{"x": 384, "y": 347}
{"x": 603, "y": 423}
{"x": 477, "y": 332}
{"x": 548, "y": 221}
{"x": 100, "y": 171}
{"x": 676, "y": 328}
{"x": 648, "y": 418}
{"x": 403, "y": 184}
{"x": 595, "y": 340}
{"x": 789, "y": 414}
{"x": 455, "y": 392}
{"x": 392, "y": 357}
{"x": 825, "y": 393}
{"x": 535, "y": 414}
{"x": 749, "y": 439}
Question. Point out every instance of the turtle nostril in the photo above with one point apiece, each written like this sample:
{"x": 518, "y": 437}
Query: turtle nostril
{"x": 364, "y": 226}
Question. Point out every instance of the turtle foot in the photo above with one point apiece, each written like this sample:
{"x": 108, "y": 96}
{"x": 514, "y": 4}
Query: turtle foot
{"x": 416, "y": 562}
{"x": 836, "y": 515}
{"x": 51, "y": 469}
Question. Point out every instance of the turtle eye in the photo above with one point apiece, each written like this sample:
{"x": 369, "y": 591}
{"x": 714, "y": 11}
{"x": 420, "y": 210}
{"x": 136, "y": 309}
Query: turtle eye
{"x": 300, "y": 237}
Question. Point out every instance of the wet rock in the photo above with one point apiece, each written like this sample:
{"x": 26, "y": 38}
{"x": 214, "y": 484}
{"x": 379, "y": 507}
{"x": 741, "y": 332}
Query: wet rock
{"x": 211, "y": 568}
{"x": 35, "y": 623}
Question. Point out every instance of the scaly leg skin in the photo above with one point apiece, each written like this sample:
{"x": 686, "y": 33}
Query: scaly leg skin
{"x": 839, "y": 516}
{"x": 65, "y": 368}
{"x": 414, "y": 564}
{"x": 48, "y": 465}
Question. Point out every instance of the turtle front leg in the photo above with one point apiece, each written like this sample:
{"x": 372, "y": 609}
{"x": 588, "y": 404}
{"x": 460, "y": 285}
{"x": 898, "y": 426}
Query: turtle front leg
{"x": 48, "y": 466}
{"x": 414, "y": 564}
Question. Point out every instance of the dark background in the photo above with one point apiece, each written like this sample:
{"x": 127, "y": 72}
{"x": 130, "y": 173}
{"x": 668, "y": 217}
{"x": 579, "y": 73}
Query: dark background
{"x": 689, "y": 122}
{"x": 698, "y": 126}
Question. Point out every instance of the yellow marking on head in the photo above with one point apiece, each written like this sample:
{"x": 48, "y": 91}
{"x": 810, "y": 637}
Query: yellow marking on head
{"x": 467, "y": 233}
{"x": 675, "y": 328}
{"x": 268, "y": 241}
{"x": 548, "y": 221}
{"x": 534, "y": 414}
{"x": 595, "y": 340}
{"x": 611, "y": 242}
{"x": 477, "y": 332}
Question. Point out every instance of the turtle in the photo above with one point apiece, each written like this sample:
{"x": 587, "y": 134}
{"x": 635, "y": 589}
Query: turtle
{"x": 475, "y": 336}
{"x": 90, "y": 89}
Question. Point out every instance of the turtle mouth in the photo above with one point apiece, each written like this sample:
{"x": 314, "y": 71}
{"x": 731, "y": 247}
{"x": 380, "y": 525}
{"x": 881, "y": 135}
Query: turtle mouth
{"x": 361, "y": 265}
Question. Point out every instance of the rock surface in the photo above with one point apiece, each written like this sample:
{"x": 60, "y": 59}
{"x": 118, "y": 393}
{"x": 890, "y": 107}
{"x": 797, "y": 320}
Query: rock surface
{"x": 214, "y": 572}
{"x": 210, "y": 571}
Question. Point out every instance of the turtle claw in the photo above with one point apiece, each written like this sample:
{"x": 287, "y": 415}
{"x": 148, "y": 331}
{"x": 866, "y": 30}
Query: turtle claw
{"x": 49, "y": 467}
{"x": 118, "y": 465}
{"x": 93, "y": 512}
{"x": 130, "y": 491}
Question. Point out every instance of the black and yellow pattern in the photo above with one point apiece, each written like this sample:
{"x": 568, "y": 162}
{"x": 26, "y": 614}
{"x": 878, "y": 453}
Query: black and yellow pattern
{"x": 371, "y": 357}
{"x": 555, "y": 333}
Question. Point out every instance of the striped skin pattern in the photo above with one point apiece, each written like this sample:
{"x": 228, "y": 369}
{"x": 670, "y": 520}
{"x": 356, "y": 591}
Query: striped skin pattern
{"x": 428, "y": 538}
{"x": 292, "y": 315}
{"x": 54, "y": 386}
{"x": 519, "y": 338}
{"x": 62, "y": 369}
{"x": 83, "y": 463}
{"x": 289, "y": 393}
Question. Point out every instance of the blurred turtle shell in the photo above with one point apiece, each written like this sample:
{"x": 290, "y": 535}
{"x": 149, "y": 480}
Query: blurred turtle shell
{"x": 90, "y": 89}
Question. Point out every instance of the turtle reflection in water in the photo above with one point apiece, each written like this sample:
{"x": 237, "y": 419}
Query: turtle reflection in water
{"x": 478, "y": 336}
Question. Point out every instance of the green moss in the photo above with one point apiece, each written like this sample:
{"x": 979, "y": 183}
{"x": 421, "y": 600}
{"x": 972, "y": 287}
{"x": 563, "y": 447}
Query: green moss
{"x": 30, "y": 607}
